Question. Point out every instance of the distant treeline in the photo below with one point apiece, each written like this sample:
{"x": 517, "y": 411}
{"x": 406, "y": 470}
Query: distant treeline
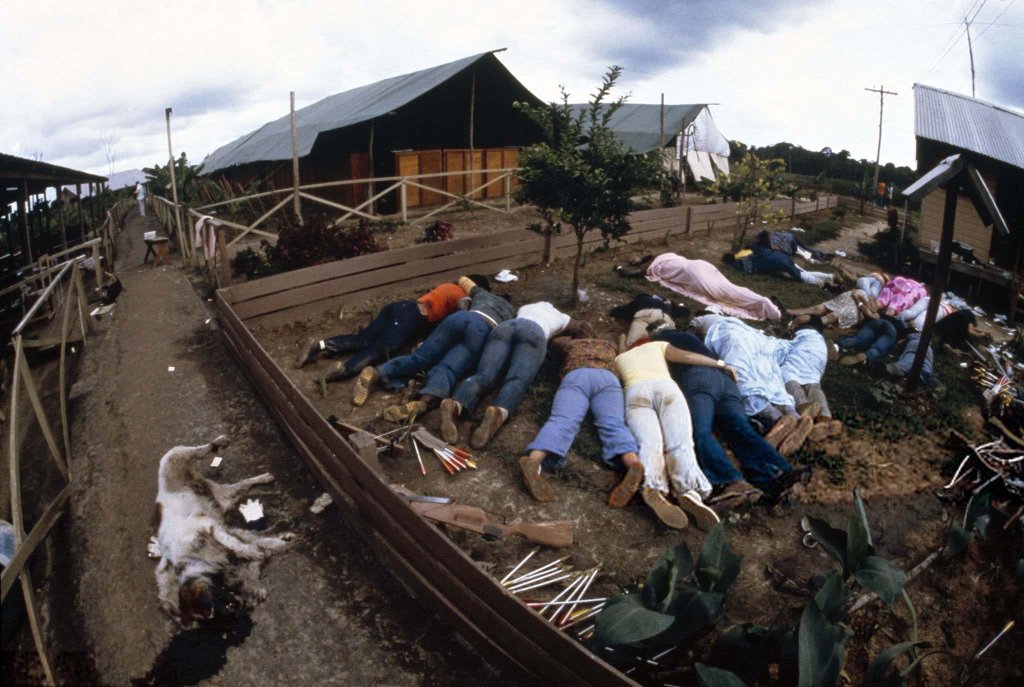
{"x": 834, "y": 165}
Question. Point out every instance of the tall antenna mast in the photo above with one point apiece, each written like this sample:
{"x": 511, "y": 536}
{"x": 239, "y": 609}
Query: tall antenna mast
{"x": 970, "y": 49}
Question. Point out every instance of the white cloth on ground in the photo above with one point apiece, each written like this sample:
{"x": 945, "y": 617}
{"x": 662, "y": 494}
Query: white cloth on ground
{"x": 756, "y": 358}
{"x": 806, "y": 358}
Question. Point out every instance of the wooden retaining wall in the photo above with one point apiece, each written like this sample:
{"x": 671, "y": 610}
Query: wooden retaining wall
{"x": 295, "y": 295}
{"x": 435, "y": 568}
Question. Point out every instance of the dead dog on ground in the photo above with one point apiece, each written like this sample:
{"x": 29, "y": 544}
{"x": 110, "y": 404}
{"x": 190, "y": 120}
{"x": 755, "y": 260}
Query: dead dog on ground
{"x": 206, "y": 568}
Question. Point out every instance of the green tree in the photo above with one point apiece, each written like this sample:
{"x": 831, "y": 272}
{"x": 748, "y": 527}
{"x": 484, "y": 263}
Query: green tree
{"x": 193, "y": 189}
{"x": 752, "y": 183}
{"x": 581, "y": 176}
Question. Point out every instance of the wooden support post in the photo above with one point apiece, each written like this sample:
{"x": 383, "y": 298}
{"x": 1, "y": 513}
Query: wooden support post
{"x": 26, "y": 240}
{"x": 174, "y": 185}
{"x": 508, "y": 190}
{"x": 689, "y": 218}
{"x": 472, "y": 137}
{"x": 403, "y": 194}
{"x": 938, "y": 281}
{"x": 81, "y": 216}
{"x": 369, "y": 184}
{"x": 366, "y": 447}
{"x": 792, "y": 207}
{"x": 295, "y": 163}
{"x": 60, "y": 218}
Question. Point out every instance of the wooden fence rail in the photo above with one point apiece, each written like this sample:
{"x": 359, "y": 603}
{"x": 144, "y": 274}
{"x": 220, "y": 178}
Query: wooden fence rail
{"x": 67, "y": 279}
{"x": 442, "y": 574}
{"x": 63, "y": 292}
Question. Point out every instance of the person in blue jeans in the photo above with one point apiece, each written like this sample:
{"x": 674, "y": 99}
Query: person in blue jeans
{"x": 761, "y": 260}
{"x": 714, "y": 401}
{"x": 589, "y": 384}
{"x": 872, "y": 341}
{"x": 519, "y": 346}
{"x": 451, "y": 349}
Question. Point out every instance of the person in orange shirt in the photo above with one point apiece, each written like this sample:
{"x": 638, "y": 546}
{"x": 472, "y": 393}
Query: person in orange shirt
{"x": 394, "y": 325}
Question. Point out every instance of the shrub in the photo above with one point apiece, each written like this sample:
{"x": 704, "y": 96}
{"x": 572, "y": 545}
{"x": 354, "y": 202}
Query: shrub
{"x": 438, "y": 231}
{"x": 302, "y": 246}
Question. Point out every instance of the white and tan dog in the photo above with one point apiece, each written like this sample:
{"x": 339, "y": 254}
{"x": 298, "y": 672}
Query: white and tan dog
{"x": 204, "y": 562}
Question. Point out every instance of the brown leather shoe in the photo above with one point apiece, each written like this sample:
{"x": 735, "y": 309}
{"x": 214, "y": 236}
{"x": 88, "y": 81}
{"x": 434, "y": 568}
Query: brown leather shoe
{"x": 494, "y": 418}
{"x": 825, "y": 428}
{"x": 735, "y": 494}
{"x": 795, "y": 439}
{"x": 450, "y": 411}
{"x": 781, "y": 429}
{"x": 364, "y": 382}
{"x": 810, "y": 409}
{"x": 854, "y": 359}
{"x": 623, "y": 492}
{"x": 405, "y": 411}
{"x": 307, "y": 352}
{"x": 538, "y": 487}
{"x": 672, "y": 516}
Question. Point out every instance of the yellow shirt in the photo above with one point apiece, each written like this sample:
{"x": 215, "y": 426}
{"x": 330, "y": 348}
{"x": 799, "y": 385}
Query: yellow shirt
{"x": 643, "y": 363}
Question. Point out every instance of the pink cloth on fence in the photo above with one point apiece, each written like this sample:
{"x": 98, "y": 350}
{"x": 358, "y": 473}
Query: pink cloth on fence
{"x": 901, "y": 293}
{"x": 701, "y": 281}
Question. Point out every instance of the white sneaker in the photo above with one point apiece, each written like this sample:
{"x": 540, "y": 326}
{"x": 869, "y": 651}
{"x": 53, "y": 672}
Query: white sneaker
{"x": 702, "y": 514}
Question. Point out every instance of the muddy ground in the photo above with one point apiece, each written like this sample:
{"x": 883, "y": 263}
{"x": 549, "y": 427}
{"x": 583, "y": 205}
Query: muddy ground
{"x": 334, "y": 615}
{"x": 894, "y": 455}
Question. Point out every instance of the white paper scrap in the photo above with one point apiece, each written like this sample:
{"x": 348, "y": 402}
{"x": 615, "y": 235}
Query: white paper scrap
{"x": 216, "y": 461}
{"x": 170, "y": 368}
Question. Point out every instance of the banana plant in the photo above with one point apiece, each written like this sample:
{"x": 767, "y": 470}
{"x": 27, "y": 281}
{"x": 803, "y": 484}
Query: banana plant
{"x": 681, "y": 600}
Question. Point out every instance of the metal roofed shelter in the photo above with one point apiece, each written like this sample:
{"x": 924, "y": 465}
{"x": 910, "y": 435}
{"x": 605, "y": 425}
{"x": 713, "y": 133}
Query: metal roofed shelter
{"x": 992, "y": 139}
{"x": 688, "y": 131}
{"x": 463, "y": 106}
{"x": 21, "y": 178}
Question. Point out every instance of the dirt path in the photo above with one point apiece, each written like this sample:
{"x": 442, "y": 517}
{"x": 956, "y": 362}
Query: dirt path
{"x": 334, "y": 616}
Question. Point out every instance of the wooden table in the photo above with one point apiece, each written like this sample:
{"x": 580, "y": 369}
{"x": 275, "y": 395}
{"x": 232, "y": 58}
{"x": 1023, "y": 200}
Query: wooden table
{"x": 157, "y": 247}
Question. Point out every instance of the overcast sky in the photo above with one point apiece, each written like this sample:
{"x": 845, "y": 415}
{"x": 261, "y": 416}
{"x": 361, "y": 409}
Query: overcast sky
{"x": 85, "y": 74}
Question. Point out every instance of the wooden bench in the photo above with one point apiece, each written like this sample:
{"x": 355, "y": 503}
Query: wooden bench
{"x": 157, "y": 247}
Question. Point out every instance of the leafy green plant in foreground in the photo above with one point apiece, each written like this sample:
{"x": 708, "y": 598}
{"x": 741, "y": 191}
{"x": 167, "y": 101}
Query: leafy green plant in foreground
{"x": 680, "y": 602}
{"x": 683, "y": 601}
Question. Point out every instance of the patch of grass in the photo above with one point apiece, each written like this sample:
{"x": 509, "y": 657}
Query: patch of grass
{"x": 822, "y": 230}
{"x": 865, "y": 402}
{"x": 833, "y": 464}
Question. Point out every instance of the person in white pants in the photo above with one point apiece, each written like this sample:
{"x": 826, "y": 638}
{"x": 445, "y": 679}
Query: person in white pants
{"x": 659, "y": 418}
{"x": 140, "y": 197}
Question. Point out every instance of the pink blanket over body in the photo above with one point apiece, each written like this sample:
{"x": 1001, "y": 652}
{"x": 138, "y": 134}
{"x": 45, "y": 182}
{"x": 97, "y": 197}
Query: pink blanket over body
{"x": 701, "y": 281}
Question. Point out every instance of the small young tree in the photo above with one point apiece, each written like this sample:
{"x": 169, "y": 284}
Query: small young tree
{"x": 752, "y": 183}
{"x": 581, "y": 176}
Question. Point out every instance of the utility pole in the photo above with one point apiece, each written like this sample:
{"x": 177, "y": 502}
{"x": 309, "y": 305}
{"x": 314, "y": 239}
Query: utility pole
{"x": 174, "y": 183}
{"x": 881, "y": 106}
{"x": 970, "y": 49}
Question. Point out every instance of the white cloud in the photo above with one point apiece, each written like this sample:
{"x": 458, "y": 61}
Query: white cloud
{"x": 796, "y": 72}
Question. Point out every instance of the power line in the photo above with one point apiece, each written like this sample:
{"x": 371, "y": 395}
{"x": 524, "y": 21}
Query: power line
{"x": 993, "y": 22}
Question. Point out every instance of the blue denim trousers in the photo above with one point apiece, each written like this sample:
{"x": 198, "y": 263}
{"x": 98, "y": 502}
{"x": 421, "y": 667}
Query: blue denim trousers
{"x": 515, "y": 345}
{"x": 714, "y": 401}
{"x": 583, "y": 389}
{"x": 875, "y": 337}
{"x": 906, "y": 361}
{"x": 452, "y": 348}
{"x": 393, "y": 326}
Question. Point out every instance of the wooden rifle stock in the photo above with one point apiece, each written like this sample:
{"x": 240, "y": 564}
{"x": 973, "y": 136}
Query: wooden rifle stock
{"x": 556, "y": 534}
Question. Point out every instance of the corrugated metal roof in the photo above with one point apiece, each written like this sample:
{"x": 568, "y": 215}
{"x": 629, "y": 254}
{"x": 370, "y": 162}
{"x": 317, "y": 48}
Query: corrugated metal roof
{"x": 638, "y": 126}
{"x": 272, "y": 141}
{"x": 968, "y": 123}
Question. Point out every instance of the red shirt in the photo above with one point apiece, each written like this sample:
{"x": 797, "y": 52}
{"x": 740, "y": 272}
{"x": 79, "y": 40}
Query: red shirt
{"x": 442, "y": 301}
